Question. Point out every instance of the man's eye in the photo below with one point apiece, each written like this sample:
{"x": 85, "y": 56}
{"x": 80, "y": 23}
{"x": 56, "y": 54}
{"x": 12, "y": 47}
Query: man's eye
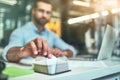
{"x": 41, "y": 11}
{"x": 49, "y": 13}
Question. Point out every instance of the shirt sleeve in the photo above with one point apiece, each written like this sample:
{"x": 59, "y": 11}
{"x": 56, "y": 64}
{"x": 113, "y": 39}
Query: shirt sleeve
{"x": 16, "y": 39}
{"x": 59, "y": 43}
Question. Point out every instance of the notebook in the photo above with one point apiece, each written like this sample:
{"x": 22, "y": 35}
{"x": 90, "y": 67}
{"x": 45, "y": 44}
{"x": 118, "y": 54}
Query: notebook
{"x": 106, "y": 48}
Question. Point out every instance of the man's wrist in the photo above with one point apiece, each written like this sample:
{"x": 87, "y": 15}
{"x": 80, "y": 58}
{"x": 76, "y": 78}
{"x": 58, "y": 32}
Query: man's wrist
{"x": 68, "y": 53}
{"x": 20, "y": 54}
{"x": 65, "y": 53}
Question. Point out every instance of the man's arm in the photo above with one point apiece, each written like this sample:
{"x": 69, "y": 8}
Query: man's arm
{"x": 13, "y": 55}
{"x": 63, "y": 48}
{"x": 34, "y": 48}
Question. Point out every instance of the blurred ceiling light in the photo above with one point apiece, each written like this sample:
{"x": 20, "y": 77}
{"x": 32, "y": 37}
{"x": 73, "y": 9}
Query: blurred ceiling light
{"x": 95, "y": 15}
{"x": 9, "y": 2}
{"x": 83, "y": 18}
{"x": 104, "y": 13}
{"x": 81, "y": 3}
{"x": 78, "y": 19}
{"x": 101, "y": 5}
{"x": 115, "y": 10}
{"x": 92, "y": 16}
{"x": 110, "y": 2}
{"x": 87, "y": 17}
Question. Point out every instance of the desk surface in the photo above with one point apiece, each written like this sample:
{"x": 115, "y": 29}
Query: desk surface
{"x": 84, "y": 70}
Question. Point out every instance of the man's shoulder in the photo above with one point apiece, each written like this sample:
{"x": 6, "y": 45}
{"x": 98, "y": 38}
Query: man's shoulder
{"x": 27, "y": 25}
{"x": 50, "y": 32}
{"x": 22, "y": 28}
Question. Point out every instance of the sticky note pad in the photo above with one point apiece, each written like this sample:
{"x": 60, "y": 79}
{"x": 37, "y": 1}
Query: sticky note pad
{"x": 13, "y": 71}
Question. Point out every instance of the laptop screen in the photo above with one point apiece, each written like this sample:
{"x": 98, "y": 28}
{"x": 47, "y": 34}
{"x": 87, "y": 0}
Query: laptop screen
{"x": 107, "y": 44}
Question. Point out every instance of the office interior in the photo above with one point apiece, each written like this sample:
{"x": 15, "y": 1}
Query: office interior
{"x": 81, "y": 23}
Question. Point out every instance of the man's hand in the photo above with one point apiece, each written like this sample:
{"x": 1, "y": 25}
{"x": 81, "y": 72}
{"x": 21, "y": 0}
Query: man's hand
{"x": 57, "y": 52}
{"x": 35, "y": 48}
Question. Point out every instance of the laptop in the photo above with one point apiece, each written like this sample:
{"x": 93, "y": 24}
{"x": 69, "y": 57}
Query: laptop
{"x": 105, "y": 51}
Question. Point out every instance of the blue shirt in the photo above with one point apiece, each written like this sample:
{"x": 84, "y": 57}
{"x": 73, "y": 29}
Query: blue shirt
{"x": 28, "y": 32}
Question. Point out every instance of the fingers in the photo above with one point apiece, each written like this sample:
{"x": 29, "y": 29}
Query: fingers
{"x": 46, "y": 49}
{"x": 37, "y": 47}
{"x": 33, "y": 48}
{"x": 42, "y": 47}
{"x": 57, "y": 52}
{"x": 49, "y": 53}
{"x": 38, "y": 43}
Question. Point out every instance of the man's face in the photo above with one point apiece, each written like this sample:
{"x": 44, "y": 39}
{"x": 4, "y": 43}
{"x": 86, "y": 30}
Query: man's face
{"x": 42, "y": 13}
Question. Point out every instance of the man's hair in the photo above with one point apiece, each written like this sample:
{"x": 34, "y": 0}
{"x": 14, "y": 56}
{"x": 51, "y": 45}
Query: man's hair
{"x": 36, "y": 1}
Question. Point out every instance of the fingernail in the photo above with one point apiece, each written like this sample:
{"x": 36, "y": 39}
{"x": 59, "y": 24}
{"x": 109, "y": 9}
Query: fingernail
{"x": 45, "y": 53}
{"x": 35, "y": 52}
{"x": 49, "y": 55}
{"x": 39, "y": 50}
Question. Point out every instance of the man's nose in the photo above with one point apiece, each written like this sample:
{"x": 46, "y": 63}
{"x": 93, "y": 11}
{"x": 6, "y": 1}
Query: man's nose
{"x": 44, "y": 14}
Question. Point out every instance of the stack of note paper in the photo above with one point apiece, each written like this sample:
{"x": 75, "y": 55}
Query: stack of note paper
{"x": 51, "y": 65}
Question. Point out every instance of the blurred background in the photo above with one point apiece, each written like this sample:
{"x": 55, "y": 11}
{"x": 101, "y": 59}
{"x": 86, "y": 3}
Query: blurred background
{"x": 81, "y": 23}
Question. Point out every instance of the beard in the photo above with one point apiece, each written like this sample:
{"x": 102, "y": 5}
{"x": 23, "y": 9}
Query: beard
{"x": 41, "y": 21}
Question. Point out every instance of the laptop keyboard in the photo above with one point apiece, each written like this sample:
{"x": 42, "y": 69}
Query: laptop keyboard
{"x": 90, "y": 57}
